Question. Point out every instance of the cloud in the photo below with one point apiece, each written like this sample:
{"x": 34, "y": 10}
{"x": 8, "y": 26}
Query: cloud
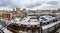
{"x": 31, "y": 4}
{"x": 37, "y": 4}
{"x": 53, "y": 2}
{"x": 6, "y": 3}
{"x": 27, "y": 3}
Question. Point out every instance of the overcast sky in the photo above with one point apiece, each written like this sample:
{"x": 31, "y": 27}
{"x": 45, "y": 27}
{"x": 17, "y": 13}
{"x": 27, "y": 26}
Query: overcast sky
{"x": 30, "y": 4}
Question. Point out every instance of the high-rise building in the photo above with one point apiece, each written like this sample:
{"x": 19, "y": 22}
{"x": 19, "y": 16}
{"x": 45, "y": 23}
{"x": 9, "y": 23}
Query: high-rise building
{"x": 18, "y": 10}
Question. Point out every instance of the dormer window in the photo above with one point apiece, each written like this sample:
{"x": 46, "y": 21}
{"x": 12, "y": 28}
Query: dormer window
{"x": 44, "y": 19}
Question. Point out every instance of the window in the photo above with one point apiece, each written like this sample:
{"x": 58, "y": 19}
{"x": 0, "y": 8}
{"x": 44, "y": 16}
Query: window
{"x": 48, "y": 30}
{"x": 47, "y": 22}
{"x": 44, "y": 19}
{"x": 55, "y": 20}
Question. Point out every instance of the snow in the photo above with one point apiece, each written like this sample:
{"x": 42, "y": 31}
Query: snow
{"x": 16, "y": 20}
{"x": 33, "y": 20}
{"x": 22, "y": 32}
{"x": 47, "y": 18}
{"x": 25, "y": 21}
{"x": 50, "y": 25}
{"x": 6, "y": 31}
{"x": 34, "y": 23}
{"x": 30, "y": 23}
{"x": 1, "y": 26}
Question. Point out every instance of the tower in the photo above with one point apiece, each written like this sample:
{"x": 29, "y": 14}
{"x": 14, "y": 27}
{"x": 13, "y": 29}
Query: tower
{"x": 18, "y": 10}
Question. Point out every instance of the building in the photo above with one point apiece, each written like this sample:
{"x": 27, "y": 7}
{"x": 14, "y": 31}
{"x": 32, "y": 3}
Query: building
{"x": 7, "y": 16}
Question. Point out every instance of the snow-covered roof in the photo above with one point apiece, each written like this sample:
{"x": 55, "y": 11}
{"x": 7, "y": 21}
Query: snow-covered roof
{"x": 50, "y": 25}
{"x": 29, "y": 21}
{"x": 47, "y": 18}
{"x": 1, "y": 26}
{"x": 33, "y": 16}
{"x": 16, "y": 20}
{"x": 6, "y": 30}
{"x": 26, "y": 18}
{"x": 25, "y": 21}
{"x": 33, "y": 20}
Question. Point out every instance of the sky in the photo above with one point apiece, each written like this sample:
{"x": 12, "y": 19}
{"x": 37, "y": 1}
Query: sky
{"x": 30, "y": 4}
